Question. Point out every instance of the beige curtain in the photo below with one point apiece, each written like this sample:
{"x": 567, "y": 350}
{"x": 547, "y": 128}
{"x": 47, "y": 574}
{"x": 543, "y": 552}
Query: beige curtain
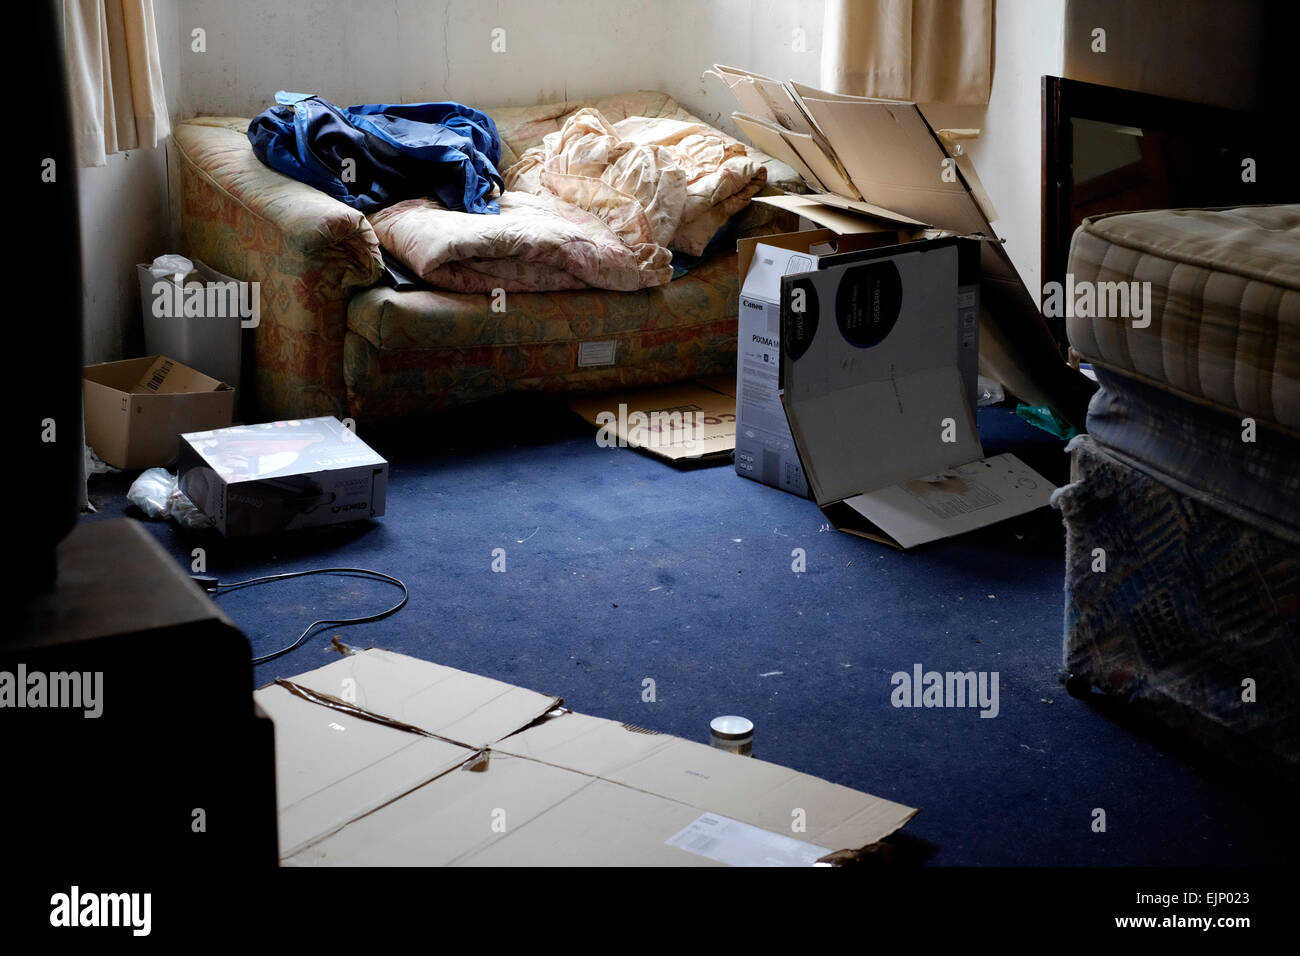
{"x": 114, "y": 77}
{"x": 927, "y": 51}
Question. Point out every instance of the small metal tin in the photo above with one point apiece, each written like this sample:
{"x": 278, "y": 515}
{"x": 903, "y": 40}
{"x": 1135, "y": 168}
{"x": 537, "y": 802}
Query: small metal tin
{"x": 733, "y": 734}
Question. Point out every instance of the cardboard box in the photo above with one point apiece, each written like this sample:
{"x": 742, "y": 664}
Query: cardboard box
{"x": 879, "y": 161}
{"x": 765, "y": 449}
{"x": 878, "y": 386}
{"x": 689, "y": 422}
{"x": 136, "y": 409}
{"x": 387, "y": 760}
{"x": 278, "y": 476}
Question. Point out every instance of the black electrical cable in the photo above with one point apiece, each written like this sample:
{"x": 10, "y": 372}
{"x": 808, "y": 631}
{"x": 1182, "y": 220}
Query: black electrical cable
{"x": 218, "y": 588}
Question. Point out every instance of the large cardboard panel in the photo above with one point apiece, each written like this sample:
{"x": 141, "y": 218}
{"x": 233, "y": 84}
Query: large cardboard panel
{"x": 468, "y": 709}
{"x": 894, "y": 162}
{"x": 363, "y": 786}
{"x": 333, "y": 766}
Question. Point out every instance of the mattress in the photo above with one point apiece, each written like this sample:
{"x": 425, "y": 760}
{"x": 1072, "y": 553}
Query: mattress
{"x": 1223, "y": 325}
{"x": 1182, "y": 610}
{"x": 1197, "y": 450}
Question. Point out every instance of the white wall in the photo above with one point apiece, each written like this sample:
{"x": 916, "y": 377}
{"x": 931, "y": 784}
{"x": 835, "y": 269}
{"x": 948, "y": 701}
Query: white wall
{"x": 416, "y": 50}
{"x": 1028, "y": 43}
{"x": 124, "y": 220}
{"x": 411, "y": 50}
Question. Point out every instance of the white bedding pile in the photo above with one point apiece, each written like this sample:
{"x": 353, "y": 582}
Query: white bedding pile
{"x": 594, "y": 205}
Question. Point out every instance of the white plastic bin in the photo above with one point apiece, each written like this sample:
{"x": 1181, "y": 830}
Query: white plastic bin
{"x": 210, "y": 343}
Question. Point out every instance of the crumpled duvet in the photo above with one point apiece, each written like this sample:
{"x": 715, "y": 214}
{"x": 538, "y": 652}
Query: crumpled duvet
{"x": 595, "y": 204}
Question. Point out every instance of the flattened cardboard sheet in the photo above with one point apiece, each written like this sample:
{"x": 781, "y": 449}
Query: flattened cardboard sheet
{"x": 691, "y": 421}
{"x": 406, "y": 779}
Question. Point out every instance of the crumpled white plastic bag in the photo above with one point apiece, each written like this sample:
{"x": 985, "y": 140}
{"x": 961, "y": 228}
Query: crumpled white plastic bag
{"x": 171, "y": 267}
{"x": 158, "y": 495}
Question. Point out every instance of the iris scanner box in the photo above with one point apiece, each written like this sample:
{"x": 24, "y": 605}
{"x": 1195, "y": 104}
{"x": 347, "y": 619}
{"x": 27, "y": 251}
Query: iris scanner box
{"x": 278, "y": 476}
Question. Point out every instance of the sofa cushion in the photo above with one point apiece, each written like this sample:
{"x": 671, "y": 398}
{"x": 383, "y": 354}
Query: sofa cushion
{"x": 411, "y": 352}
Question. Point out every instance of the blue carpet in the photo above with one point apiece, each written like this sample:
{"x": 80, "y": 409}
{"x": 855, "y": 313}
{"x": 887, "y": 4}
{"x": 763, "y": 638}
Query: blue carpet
{"x": 621, "y": 568}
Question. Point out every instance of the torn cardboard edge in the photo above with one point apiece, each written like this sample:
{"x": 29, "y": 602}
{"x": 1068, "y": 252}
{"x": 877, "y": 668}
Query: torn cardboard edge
{"x": 890, "y": 165}
{"x": 688, "y": 422}
{"x": 365, "y": 778}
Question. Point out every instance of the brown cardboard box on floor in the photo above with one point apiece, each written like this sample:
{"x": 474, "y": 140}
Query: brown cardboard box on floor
{"x": 687, "y": 422}
{"x": 136, "y": 409}
{"x": 386, "y": 760}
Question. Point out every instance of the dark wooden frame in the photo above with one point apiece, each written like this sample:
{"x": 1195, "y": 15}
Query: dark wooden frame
{"x": 1064, "y": 100}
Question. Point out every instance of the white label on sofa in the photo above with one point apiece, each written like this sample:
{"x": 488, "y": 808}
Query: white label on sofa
{"x": 596, "y": 353}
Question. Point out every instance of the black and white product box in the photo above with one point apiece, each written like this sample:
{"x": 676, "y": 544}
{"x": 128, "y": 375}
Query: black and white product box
{"x": 766, "y": 450}
{"x": 879, "y": 355}
{"x": 278, "y": 476}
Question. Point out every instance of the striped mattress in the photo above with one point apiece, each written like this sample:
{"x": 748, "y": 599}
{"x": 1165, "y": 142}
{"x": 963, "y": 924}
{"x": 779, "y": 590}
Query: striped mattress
{"x": 1223, "y": 325}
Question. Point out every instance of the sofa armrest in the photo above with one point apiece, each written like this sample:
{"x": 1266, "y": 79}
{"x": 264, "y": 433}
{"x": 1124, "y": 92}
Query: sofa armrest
{"x": 307, "y": 250}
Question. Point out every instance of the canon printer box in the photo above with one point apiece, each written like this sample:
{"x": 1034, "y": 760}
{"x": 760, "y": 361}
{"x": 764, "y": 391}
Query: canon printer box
{"x": 765, "y": 449}
{"x": 277, "y": 476}
{"x": 875, "y": 380}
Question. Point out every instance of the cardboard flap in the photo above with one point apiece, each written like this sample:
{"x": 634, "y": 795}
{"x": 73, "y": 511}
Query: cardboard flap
{"x": 758, "y": 279}
{"x": 465, "y": 708}
{"x": 822, "y": 161}
{"x": 341, "y": 767}
{"x": 895, "y": 161}
{"x": 870, "y": 210}
{"x": 777, "y": 103}
{"x": 835, "y": 217}
{"x": 875, "y": 354}
{"x": 803, "y": 91}
{"x": 771, "y": 140}
{"x": 449, "y": 822}
{"x": 954, "y": 501}
{"x": 951, "y": 139}
{"x": 565, "y": 790}
{"x": 697, "y": 775}
{"x": 890, "y": 443}
{"x": 166, "y": 376}
{"x": 123, "y": 376}
{"x": 763, "y": 97}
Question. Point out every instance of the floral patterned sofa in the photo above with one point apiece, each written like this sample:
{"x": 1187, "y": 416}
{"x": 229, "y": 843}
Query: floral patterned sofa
{"x": 335, "y": 340}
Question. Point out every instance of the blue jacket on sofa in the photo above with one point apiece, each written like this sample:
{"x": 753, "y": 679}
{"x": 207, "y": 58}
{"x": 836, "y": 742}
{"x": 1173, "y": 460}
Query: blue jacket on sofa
{"x": 445, "y": 150}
